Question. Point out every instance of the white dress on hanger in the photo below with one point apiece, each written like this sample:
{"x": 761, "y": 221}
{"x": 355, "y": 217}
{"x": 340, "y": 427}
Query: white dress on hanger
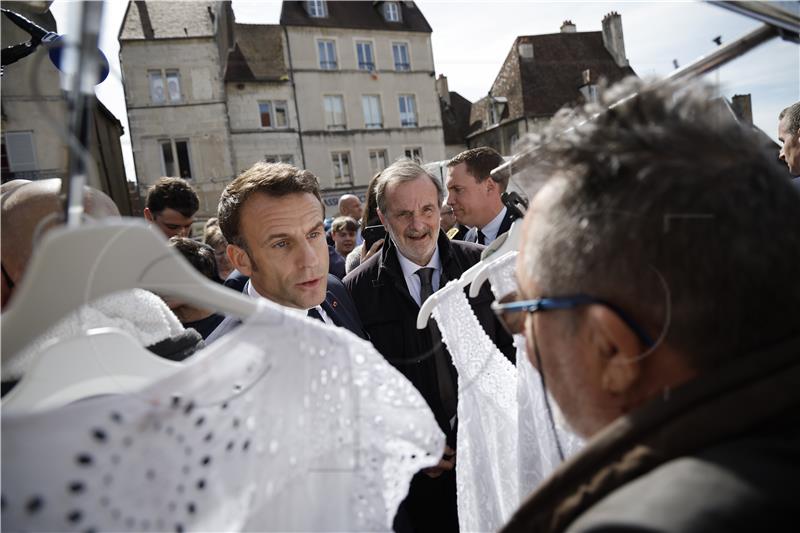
{"x": 504, "y": 446}
{"x": 285, "y": 424}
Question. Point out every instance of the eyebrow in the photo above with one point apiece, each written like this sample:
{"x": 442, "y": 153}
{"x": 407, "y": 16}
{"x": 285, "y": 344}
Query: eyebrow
{"x": 274, "y": 236}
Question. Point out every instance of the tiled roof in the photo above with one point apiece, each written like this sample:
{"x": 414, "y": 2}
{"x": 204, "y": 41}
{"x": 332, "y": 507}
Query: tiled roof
{"x": 552, "y": 77}
{"x": 165, "y": 20}
{"x": 356, "y": 15}
{"x": 257, "y": 54}
{"x": 455, "y": 118}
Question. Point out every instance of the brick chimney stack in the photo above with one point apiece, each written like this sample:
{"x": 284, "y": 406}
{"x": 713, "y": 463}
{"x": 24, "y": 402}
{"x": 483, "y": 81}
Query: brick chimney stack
{"x": 442, "y": 88}
{"x": 613, "y": 39}
{"x": 568, "y": 27}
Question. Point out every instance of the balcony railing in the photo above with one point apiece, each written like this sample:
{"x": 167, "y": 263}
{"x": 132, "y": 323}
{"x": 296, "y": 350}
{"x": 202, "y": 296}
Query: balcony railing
{"x": 402, "y": 66}
{"x": 328, "y": 65}
{"x": 366, "y": 65}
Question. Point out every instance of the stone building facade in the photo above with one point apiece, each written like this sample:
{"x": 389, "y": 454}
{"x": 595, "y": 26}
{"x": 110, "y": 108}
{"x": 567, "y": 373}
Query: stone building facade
{"x": 543, "y": 73}
{"x": 340, "y": 88}
{"x": 34, "y": 114}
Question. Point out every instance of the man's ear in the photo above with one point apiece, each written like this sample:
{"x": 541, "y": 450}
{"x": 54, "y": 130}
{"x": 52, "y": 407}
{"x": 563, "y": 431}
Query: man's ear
{"x": 239, "y": 259}
{"x": 491, "y": 185}
{"x": 382, "y": 217}
{"x": 618, "y": 348}
{"x": 148, "y": 215}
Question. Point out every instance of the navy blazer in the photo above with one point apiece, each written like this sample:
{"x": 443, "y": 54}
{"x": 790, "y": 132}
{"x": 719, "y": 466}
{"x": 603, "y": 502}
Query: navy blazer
{"x": 338, "y": 305}
{"x": 505, "y": 225}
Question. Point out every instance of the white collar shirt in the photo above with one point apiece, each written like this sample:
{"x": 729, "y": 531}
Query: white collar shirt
{"x": 253, "y": 293}
{"x": 490, "y": 230}
{"x": 410, "y": 268}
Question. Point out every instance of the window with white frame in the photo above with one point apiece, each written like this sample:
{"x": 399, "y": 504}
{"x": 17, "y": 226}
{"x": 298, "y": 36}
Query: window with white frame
{"x": 164, "y": 85}
{"x": 400, "y": 54}
{"x": 373, "y": 118}
{"x": 327, "y": 54}
{"x": 273, "y": 114}
{"x": 280, "y": 158}
{"x": 341, "y": 169}
{"x": 414, "y": 153}
{"x": 377, "y": 160}
{"x": 175, "y": 158}
{"x": 334, "y": 112}
{"x": 317, "y": 9}
{"x": 408, "y": 111}
{"x": 391, "y": 11}
{"x": 20, "y": 151}
{"x": 364, "y": 55}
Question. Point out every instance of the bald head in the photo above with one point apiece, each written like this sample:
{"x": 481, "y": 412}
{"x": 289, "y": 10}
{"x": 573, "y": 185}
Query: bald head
{"x": 350, "y": 206}
{"x": 28, "y": 207}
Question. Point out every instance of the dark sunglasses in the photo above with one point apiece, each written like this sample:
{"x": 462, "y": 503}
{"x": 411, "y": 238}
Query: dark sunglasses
{"x": 511, "y": 312}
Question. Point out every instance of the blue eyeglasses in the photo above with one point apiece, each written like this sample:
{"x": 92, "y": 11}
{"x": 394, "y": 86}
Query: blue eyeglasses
{"x": 511, "y": 312}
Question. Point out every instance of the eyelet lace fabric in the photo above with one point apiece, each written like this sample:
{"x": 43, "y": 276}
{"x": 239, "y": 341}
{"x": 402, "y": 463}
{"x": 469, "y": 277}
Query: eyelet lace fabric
{"x": 505, "y": 445}
{"x": 284, "y": 424}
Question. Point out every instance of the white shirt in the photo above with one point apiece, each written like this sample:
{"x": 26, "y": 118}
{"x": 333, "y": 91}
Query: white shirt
{"x": 410, "y": 273}
{"x": 490, "y": 230}
{"x": 252, "y": 293}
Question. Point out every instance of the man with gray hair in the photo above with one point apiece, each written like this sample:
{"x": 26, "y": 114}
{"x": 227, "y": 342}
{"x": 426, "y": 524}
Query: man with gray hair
{"x": 388, "y": 290}
{"x": 789, "y": 135}
{"x": 658, "y": 295}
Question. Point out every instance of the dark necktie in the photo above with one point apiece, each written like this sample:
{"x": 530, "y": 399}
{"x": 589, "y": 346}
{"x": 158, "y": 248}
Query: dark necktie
{"x": 313, "y": 313}
{"x": 481, "y": 237}
{"x": 447, "y": 391}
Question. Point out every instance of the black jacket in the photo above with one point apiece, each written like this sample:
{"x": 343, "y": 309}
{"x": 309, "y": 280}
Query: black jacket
{"x": 505, "y": 225}
{"x": 389, "y": 314}
{"x": 337, "y": 305}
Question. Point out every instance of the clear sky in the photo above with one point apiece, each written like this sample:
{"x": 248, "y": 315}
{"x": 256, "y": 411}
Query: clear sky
{"x": 472, "y": 38}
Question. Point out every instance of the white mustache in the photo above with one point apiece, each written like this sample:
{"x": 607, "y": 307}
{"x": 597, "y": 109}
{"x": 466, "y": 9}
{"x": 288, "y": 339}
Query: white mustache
{"x": 417, "y": 235}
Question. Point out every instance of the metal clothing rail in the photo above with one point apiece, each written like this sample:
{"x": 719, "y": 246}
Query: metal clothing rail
{"x": 777, "y": 23}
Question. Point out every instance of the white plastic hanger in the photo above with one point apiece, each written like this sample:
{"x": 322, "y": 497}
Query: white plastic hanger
{"x": 74, "y": 266}
{"x": 103, "y": 361}
{"x": 509, "y": 243}
{"x": 492, "y": 255}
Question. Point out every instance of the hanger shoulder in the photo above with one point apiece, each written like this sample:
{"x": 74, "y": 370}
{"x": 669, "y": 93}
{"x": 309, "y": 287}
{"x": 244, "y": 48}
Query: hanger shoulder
{"x": 74, "y": 266}
{"x": 104, "y": 361}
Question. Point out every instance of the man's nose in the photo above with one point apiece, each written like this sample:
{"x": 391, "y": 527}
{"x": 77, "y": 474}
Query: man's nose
{"x": 781, "y": 155}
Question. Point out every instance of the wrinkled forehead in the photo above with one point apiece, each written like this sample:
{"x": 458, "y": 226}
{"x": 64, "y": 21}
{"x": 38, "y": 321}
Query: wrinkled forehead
{"x": 783, "y": 127}
{"x": 418, "y": 192}
{"x": 539, "y": 225}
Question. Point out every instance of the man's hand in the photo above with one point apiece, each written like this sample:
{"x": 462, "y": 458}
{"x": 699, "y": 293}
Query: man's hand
{"x": 447, "y": 462}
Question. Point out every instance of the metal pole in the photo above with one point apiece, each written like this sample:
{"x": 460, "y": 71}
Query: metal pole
{"x": 81, "y": 61}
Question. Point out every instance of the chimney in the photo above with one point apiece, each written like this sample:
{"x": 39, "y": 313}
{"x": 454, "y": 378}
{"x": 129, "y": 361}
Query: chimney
{"x": 613, "y": 39}
{"x": 568, "y": 27}
{"x": 443, "y": 89}
{"x": 743, "y": 108}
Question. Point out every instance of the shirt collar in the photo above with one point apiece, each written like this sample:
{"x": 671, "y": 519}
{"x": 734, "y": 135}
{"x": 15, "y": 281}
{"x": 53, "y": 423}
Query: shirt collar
{"x": 490, "y": 230}
{"x": 253, "y": 293}
{"x": 409, "y": 268}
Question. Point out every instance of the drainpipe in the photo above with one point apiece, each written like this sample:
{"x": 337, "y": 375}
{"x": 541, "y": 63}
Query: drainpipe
{"x": 294, "y": 97}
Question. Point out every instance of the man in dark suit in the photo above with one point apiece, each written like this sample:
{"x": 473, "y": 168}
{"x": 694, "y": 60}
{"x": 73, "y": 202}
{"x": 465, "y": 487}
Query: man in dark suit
{"x": 272, "y": 217}
{"x": 475, "y": 197}
{"x": 388, "y": 290}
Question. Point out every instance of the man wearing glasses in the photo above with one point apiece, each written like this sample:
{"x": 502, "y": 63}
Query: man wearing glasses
{"x": 659, "y": 300}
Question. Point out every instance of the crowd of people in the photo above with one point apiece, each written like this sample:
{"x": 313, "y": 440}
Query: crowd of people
{"x": 657, "y": 298}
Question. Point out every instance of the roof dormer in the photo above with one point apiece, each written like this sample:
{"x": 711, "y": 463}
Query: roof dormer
{"x": 391, "y": 12}
{"x": 317, "y": 9}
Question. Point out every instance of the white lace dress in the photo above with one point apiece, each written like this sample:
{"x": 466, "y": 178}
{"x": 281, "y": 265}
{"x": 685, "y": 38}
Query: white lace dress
{"x": 285, "y": 424}
{"x": 505, "y": 445}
